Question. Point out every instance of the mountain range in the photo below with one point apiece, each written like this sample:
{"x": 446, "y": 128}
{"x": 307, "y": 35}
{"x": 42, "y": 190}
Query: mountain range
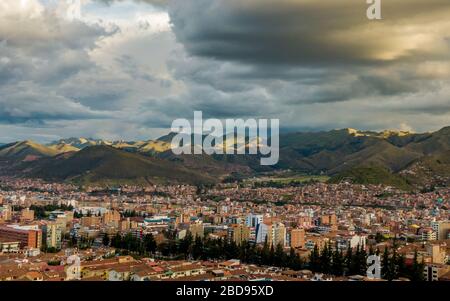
{"x": 401, "y": 159}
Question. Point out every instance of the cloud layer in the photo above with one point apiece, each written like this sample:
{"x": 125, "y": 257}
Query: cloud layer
{"x": 126, "y": 69}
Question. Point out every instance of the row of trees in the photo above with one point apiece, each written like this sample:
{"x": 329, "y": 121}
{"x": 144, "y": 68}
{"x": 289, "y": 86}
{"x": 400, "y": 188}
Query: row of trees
{"x": 145, "y": 246}
{"x": 40, "y": 212}
{"x": 329, "y": 260}
{"x": 207, "y": 249}
{"x": 333, "y": 261}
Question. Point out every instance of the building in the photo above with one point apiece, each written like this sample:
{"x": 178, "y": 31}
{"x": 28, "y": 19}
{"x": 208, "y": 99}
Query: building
{"x": 124, "y": 224}
{"x": 428, "y": 234}
{"x": 358, "y": 240}
{"x": 318, "y": 241}
{"x": 274, "y": 233}
{"x": 437, "y": 253}
{"x": 253, "y": 220}
{"x": 262, "y": 232}
{"x": 277, "y": 234}
{"x": 304, "y": 221}
{"x": 91, "y": 221}
{"x": 5, "y": 213}
{"x": 52, "y": 235}
{"x": 27, "y": 215}
{"x": 61, "y": 220}
{"x": 197, "y": 229}
{"x": 298, "y": 238}
{"x": 328, "y": 219}
{"x": 239, "y": 233}
{"x": 27, "y": 236}
{"x": 432, "y": 272}
{"x": 111, "y": 217}
{"x": 441, "y": 228}
{"x": 9, "y": 247}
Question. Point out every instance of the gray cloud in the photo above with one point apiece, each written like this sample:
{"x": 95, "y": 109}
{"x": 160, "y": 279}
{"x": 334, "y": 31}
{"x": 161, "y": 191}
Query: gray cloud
{"x": 313, "y": 64}
{"x": 318, "y": 33}
{"x": 161, "y": 3}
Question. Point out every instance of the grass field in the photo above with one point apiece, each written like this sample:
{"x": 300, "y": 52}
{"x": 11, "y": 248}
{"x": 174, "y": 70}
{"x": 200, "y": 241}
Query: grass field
{"x": 289, "y": 178}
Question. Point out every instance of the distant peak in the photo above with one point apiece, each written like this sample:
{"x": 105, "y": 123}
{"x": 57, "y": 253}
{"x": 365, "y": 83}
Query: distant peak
{"x": 390, "y": 133}
{"x": 352, "y": 131}
{"x": 28, "y": 142}
{"x": 444, "y": 130}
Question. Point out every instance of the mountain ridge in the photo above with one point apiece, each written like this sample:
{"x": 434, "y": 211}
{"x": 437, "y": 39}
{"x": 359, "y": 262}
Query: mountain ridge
{"x": 332, "y": 152}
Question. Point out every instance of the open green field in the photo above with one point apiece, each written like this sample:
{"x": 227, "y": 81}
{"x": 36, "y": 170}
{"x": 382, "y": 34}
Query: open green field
{"x": 289, "y": 178}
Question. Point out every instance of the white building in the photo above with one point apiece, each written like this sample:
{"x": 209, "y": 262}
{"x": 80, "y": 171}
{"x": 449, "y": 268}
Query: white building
{"x": 253, "y": 220}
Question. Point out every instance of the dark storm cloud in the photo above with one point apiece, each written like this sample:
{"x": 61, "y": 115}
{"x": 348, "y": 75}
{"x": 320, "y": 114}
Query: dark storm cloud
{"x": 302, "y": 32}
{"x": 312, "y": 64}
{"x": 291, "y": 58}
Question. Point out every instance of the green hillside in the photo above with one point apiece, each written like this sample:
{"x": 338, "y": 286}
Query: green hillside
{"x": 104, "y": 164}
{"x": 391, "y": 156}
{"x": 371, "y": 175}
{"x": 428, "y": 171}
{"x": 25, "y": 150}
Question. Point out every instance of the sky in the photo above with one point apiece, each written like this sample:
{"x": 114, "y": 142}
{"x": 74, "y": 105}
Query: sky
{"x": 125, "y": 69}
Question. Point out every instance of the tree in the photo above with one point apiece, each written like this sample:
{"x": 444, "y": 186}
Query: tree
{"x": 389, "y": 269}
{"x": 197, "y": 249}
{"x": 314, "y": 259}
{"x": 325, "y": 260}
{"x": 362, "y": 261}
{"x": 279, "y": 256}
{"x": 402, "y": 271}
{"x": 349, "y": 260}
{"x": 149, "y": 243}
{"x": 379, "y": 238}
{"x": 355, "y": 262}
{"x": 294, "y": 260}
{"x": 271, "y": 255}
{"x": 416, "y": 272}
{"x": 338, "y": 262}
{"x": 393, "y": 268}
{"x": 385, "y": 264}
{"x": 231, "y": 250}
{"x": 185, "y": 245}
{"x": 265, "y": 253}
{"x": 105, "y": 240}
{"x": 116, "y": 241}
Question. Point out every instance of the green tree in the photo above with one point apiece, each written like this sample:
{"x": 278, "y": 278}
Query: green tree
{"x": 185, "y": 245}
{"x": 348, "y": 261}
{"x": 265, "y": 253}
{"x": 402, "y": 271}
{"x": 271, "y": 255}
{"x": 197, "y": 249}
{"x": 314, "y": 259}
{"x": 338, "y": 262}
{"x": 385, "y": 264}
{"x": 280, "y": 256}
{"x": 105, "y": 240}
{"x": 149, "y": 243}
{"x": 416, "y": 271}
{"x": 362, "y": 261}
{"x": 325, "y": 260}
